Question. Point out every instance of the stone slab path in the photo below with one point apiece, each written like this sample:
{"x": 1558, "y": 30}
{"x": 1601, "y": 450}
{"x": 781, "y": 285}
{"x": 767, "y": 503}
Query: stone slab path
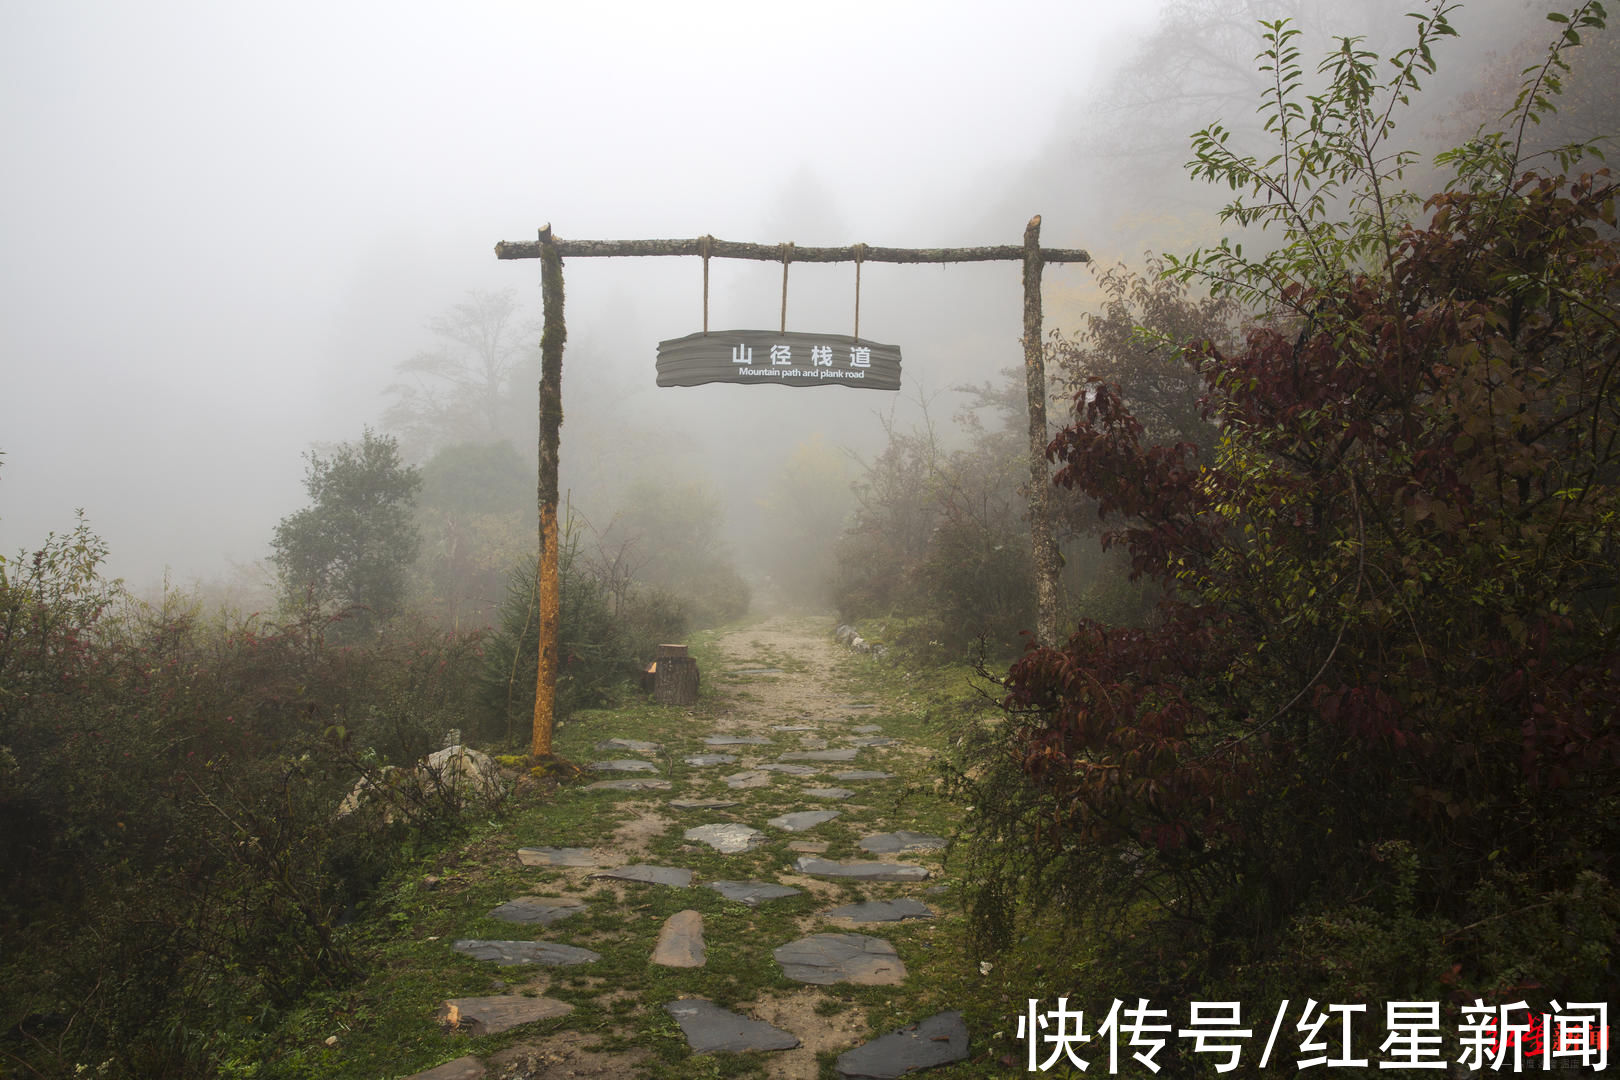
{"x": 508, "y": 953}
{"x": 708, "y": 1028}
{"x": 833, "y": 958}
{"x": 783, "y": 731}
{"x": 537, "y": 909}
{"x": 680, "y": 941}
{"x": 495, "y": 1014}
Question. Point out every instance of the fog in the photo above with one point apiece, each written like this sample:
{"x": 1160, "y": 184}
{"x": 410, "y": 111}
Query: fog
{"x": 225, "y": 227}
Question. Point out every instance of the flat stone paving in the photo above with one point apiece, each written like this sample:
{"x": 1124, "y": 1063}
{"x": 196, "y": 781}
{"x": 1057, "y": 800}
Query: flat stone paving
{"x": 789, "y": 770}
{"x": 728, "y": 838}
{"x": 463, "y": 1068}
{"x": 640, "y": 784}
{"x": 702, "y": 804}
{"x": 938, "y": 1040}
{"x": 709, "y": 1028}
{"x": 881, "y": 911}
{"x": 555, "y": 856}
{"x": 752, "y": 893}
{"x": 539, "y": 910}
{"x": 901, "y": 840}
{"x": 510, "y": 953}
{"x": 501, "y": 1012}
{"x": 863, "y": 871}
{"x": 651, "y": 875}
{"x": 819, "y": 959}
{"x": 802, "y": 820}
{"x": 680, "y": 941}
{"x": 635, "y": 746}
{"x": 824, "y": 959}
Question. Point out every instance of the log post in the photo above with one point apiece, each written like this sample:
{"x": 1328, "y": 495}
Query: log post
{"x": 551, "y": 351}
{"x": 1041, "y": 533}
{"x": 675, "y": 680}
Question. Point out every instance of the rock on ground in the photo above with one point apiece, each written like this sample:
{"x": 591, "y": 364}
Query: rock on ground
{"x": 635, "y": 746}
{"x": 864, "y": 871}
{"x": 708, "y": 1028}
{"x": 508, "y": 953}
{"x": 463, "y": 774}
{"x": 624, "y": 765}
{"x": 728, "y": 838}
{"x": 802, "y": 820}
{"x": 881, "y": 911}
{"x": 701, "y": 804}
{"x": 556, "y": 856}
{"x": 751, "y": 893}
{"x": 824, "y": 959}
{"x": 680, "y": 941}
{"x": 938, "y": 1040}
{"x": 901, "y": 840}
{"x": 540, "y": 910}
{"x": 652, "y": 875}
{"x": 463, "y": 1068}
{"x": 643, "y": 784}
{"x": 501, "y": 1012}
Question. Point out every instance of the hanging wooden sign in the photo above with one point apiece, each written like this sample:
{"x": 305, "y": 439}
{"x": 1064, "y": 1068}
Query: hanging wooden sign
{"x": 786, "y": 359}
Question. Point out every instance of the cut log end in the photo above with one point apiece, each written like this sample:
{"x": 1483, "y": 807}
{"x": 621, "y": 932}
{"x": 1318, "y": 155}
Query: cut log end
{"x": 675, "y": 680}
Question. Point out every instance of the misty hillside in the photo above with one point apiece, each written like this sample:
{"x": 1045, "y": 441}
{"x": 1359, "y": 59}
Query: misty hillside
{"x": 1229, "y": 584}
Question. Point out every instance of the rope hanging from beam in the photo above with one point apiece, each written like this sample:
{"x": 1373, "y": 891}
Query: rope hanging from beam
{"x": 860, "y": 254}
{"x": 787, "y": 254}
{"x": 705, "y": 243}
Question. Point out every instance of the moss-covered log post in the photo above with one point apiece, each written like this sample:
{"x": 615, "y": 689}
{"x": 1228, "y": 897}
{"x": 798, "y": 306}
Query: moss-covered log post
{"x": 551, "y": 352}
{"x": 1041, "y": 534}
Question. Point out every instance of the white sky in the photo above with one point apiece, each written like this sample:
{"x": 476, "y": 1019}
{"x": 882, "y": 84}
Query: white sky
{"x": 224, "y": 223}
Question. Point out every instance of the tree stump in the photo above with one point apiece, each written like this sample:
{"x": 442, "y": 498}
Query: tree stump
{"x": 675, "y": 676}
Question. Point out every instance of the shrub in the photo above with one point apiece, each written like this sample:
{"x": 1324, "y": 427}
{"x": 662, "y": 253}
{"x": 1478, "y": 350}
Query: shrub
{"x": 937, "y": 545}
{"x": 172, "y": 857}
{"x": 1385, "y": 664}
{"x": 607, "y": 631}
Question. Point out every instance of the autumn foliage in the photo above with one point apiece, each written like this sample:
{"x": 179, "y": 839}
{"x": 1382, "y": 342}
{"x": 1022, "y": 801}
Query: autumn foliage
{"x": 1370, "y": 742}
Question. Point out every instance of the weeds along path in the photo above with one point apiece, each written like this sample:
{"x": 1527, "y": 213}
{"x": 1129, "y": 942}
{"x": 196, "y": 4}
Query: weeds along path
{"x": 753, "y": 886}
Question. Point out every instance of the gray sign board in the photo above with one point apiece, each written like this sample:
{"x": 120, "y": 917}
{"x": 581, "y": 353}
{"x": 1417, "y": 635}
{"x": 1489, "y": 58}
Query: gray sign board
{"x": 786, "y": 359}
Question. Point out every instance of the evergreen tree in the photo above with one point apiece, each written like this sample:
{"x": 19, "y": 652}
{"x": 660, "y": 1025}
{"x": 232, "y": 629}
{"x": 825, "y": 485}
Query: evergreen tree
{"x": 350, "y": 549}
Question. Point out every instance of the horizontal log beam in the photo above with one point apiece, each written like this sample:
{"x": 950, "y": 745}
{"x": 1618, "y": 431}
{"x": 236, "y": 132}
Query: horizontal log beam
{"x": 731, "y": 249}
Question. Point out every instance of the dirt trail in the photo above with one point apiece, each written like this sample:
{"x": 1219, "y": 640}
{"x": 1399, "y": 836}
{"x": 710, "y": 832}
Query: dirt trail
{"x": 801, "y": 653}
{"x": 776, "y": 679}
